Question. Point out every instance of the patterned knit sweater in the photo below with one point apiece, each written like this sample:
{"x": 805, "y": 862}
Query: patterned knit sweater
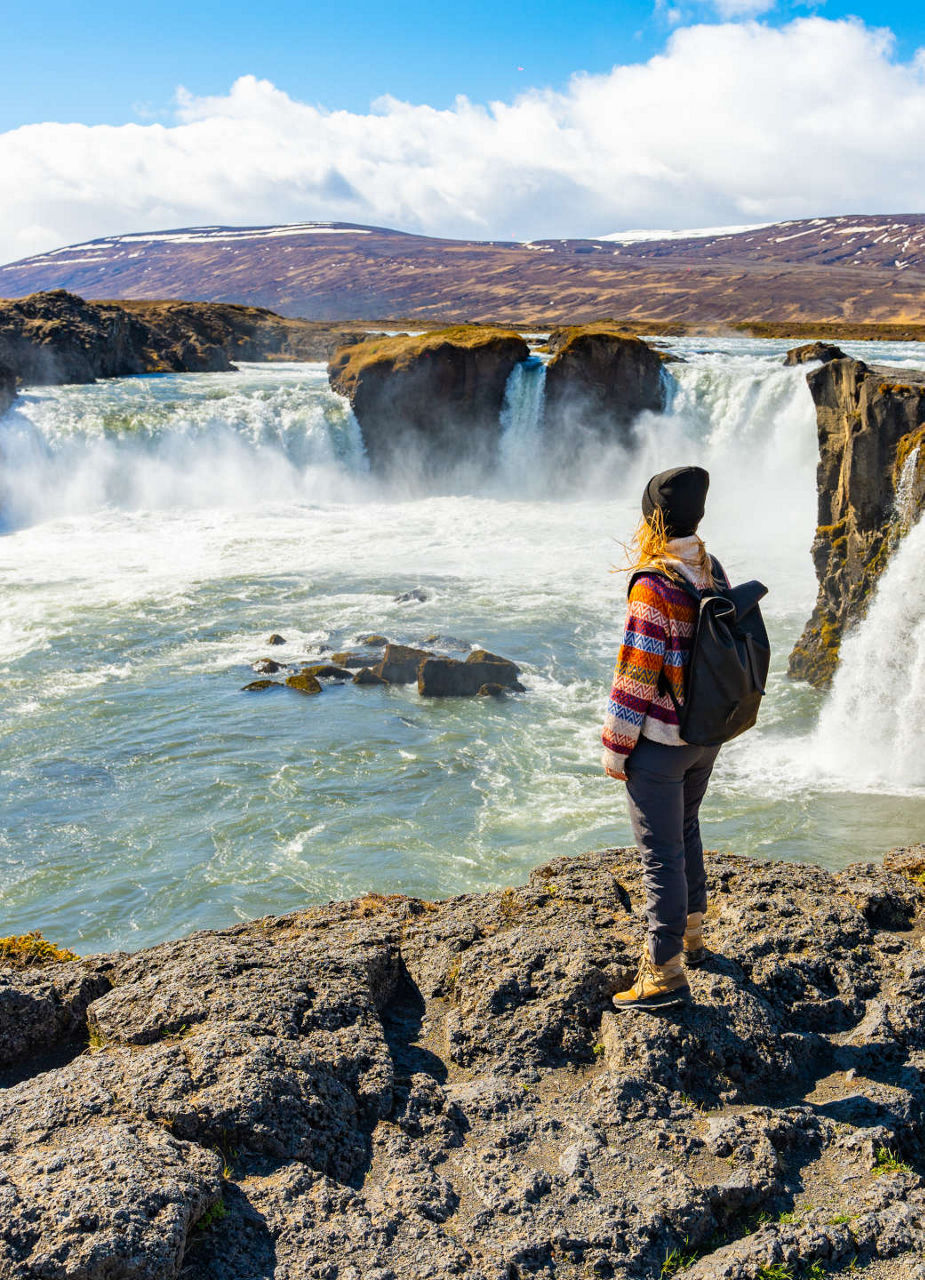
{"x": 659, "y": 631}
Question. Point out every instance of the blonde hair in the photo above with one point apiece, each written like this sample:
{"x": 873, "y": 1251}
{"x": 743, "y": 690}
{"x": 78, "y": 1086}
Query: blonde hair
{"x": 648, "y": 549}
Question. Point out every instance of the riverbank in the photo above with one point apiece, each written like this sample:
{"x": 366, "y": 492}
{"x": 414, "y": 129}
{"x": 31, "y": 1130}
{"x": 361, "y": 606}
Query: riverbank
{"x": 403, "y": 1089}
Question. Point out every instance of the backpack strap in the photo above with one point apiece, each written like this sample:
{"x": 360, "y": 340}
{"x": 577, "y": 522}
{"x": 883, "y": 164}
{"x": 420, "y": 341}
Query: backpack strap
{"x": 663, "y": 687}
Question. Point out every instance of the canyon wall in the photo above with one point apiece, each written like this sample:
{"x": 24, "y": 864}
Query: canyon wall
{"x": 871, "y": 485}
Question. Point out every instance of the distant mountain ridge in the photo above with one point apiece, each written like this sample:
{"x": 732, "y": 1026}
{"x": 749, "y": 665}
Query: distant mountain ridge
{"x": 855, "y": 269}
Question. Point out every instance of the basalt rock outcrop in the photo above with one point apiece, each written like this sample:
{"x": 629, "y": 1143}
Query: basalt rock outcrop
{"x": 811, "y": 351}
{"x": 57, "y": 337}
{"x": 7, "y": 386}
{"x": 871, "y": 487}
{"x": 598, "y": 380}
{"x": 395, "y": 1089}
{"x": 428, "y": 403}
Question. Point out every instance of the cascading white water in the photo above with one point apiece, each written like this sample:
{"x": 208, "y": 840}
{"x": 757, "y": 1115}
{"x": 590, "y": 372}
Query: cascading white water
{"x": 271, "y": 434}
{"x": 872, "y": 727}
{"x": 522, "y": 420}
{"x": 906, "y": 507}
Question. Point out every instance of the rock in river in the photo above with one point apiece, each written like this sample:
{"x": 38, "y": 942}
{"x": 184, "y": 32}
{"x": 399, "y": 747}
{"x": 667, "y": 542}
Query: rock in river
{"x": 598, "y": 380}
{"x": 400, "y": 663}
{"x": 428, "y": 402}
{"x": 304, "y": 682}
{"x": 810, "y": 351}
{"x": 450, "y": 678}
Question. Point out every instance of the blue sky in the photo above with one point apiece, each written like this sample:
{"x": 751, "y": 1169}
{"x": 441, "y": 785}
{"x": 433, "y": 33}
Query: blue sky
{"x": 106, "y": 63}
{"x": 502, "y": 120}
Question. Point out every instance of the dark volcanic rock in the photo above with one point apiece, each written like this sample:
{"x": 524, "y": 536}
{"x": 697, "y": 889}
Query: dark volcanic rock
{"x": 45, "y": 1006}
{"x": 304, "y": 682}
{"x": 7, "y": 387}
{"x": 483, "y": 655}
{"x": 428, "y": 403}
{"x": 396, "y": 1088}
{"x": 400, "y": 663}
{"x": 366, "y": 675}
{"x": 257, "y": 686}
{"x": 326, "y": 671}
{"x": 597, "y": 382}
{"x": 346, "y": 658}
{"x": 810, "y": 351}
{"x": 450, "y": 678}
{"x": 55, "y": 337}
{"x": 871, "y": 425}
{"x": 266, "y": 666}
{"x": 58, "y": 337}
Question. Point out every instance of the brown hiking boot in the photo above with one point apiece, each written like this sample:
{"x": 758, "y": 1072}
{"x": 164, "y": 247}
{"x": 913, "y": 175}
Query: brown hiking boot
{"x": 656, "y": 986}
{"x": 694, "y": 952}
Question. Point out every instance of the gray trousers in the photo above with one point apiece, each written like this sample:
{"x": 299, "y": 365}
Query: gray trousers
{"x": 665, "y": 786}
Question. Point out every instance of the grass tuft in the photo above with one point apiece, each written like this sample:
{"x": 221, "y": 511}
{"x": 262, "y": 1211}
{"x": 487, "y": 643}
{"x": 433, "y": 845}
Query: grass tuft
{"x": 675, "y": 1261}
{"x": 887, "y": 1161}
{"x": 26, "y": 949}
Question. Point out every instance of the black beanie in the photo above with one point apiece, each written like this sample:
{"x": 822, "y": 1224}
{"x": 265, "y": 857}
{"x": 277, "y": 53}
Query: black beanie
{"x": 681, "y": 493}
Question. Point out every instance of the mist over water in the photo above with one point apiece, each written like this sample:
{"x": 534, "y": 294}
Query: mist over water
{"x": 157, "y": 529}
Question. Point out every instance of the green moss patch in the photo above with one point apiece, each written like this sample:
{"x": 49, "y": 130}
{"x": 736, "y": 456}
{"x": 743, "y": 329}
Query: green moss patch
{"x": 400, "y": 352}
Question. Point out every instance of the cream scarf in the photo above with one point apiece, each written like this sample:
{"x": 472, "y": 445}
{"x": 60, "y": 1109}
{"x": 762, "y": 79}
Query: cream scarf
{"x": 686, "y": 552}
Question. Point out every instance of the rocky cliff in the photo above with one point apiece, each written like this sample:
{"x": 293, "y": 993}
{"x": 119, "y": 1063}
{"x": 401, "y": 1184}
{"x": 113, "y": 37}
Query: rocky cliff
{"x": 7, "y": 387}
{"x": 599, "y": 379}
{"x": 871, "y": 425}
{"x": 394, "y": 1089}
{"x": 57, "y": 337}
{"x": 429, "y": 402}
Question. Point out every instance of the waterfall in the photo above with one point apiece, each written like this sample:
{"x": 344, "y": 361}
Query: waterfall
{"x": 266, "y": 434}
{"x": 872, "y": 726}
{"x": 906, "y": 505}
{"x": 522, "y": 419}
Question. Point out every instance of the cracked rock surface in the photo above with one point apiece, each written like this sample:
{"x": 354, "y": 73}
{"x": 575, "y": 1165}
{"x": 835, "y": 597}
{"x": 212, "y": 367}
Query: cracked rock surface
{"x": 390, "y": 1089}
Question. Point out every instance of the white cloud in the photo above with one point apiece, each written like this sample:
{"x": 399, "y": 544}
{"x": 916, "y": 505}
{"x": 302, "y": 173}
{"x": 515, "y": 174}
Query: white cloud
{"x": 733, "y": 123}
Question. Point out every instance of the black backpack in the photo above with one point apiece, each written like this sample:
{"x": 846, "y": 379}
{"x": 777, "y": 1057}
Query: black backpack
{"x": 728, "y": 664}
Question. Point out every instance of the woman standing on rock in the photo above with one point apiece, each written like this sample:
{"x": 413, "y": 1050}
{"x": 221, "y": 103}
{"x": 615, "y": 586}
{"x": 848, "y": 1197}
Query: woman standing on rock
{"x": 665, "y": 777}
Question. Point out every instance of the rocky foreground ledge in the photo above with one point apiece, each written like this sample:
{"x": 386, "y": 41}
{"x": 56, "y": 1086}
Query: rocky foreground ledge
{"x": 391, "y": 1089}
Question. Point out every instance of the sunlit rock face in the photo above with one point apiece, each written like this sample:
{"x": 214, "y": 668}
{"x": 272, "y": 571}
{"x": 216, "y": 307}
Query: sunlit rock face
{"x": 396, "y": 1087}
{"x": 871, "y": 483}
{"x": 431, "y": 402}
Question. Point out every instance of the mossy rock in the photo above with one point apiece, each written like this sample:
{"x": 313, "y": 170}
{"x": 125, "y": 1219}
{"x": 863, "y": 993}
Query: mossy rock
{"x": 347, "y": 658}
{"x": 366, "y": 675}
{"x": 257, "y": 686}
{"x": 303, "y": 683}
{"x": 484, "y": 655}
{"x": 327, "y": 671}
{"x": 399, "y": 353}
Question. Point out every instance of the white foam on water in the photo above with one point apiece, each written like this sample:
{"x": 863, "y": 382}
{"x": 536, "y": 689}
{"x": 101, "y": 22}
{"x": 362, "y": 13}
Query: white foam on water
{"x": 158, "y": 529}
